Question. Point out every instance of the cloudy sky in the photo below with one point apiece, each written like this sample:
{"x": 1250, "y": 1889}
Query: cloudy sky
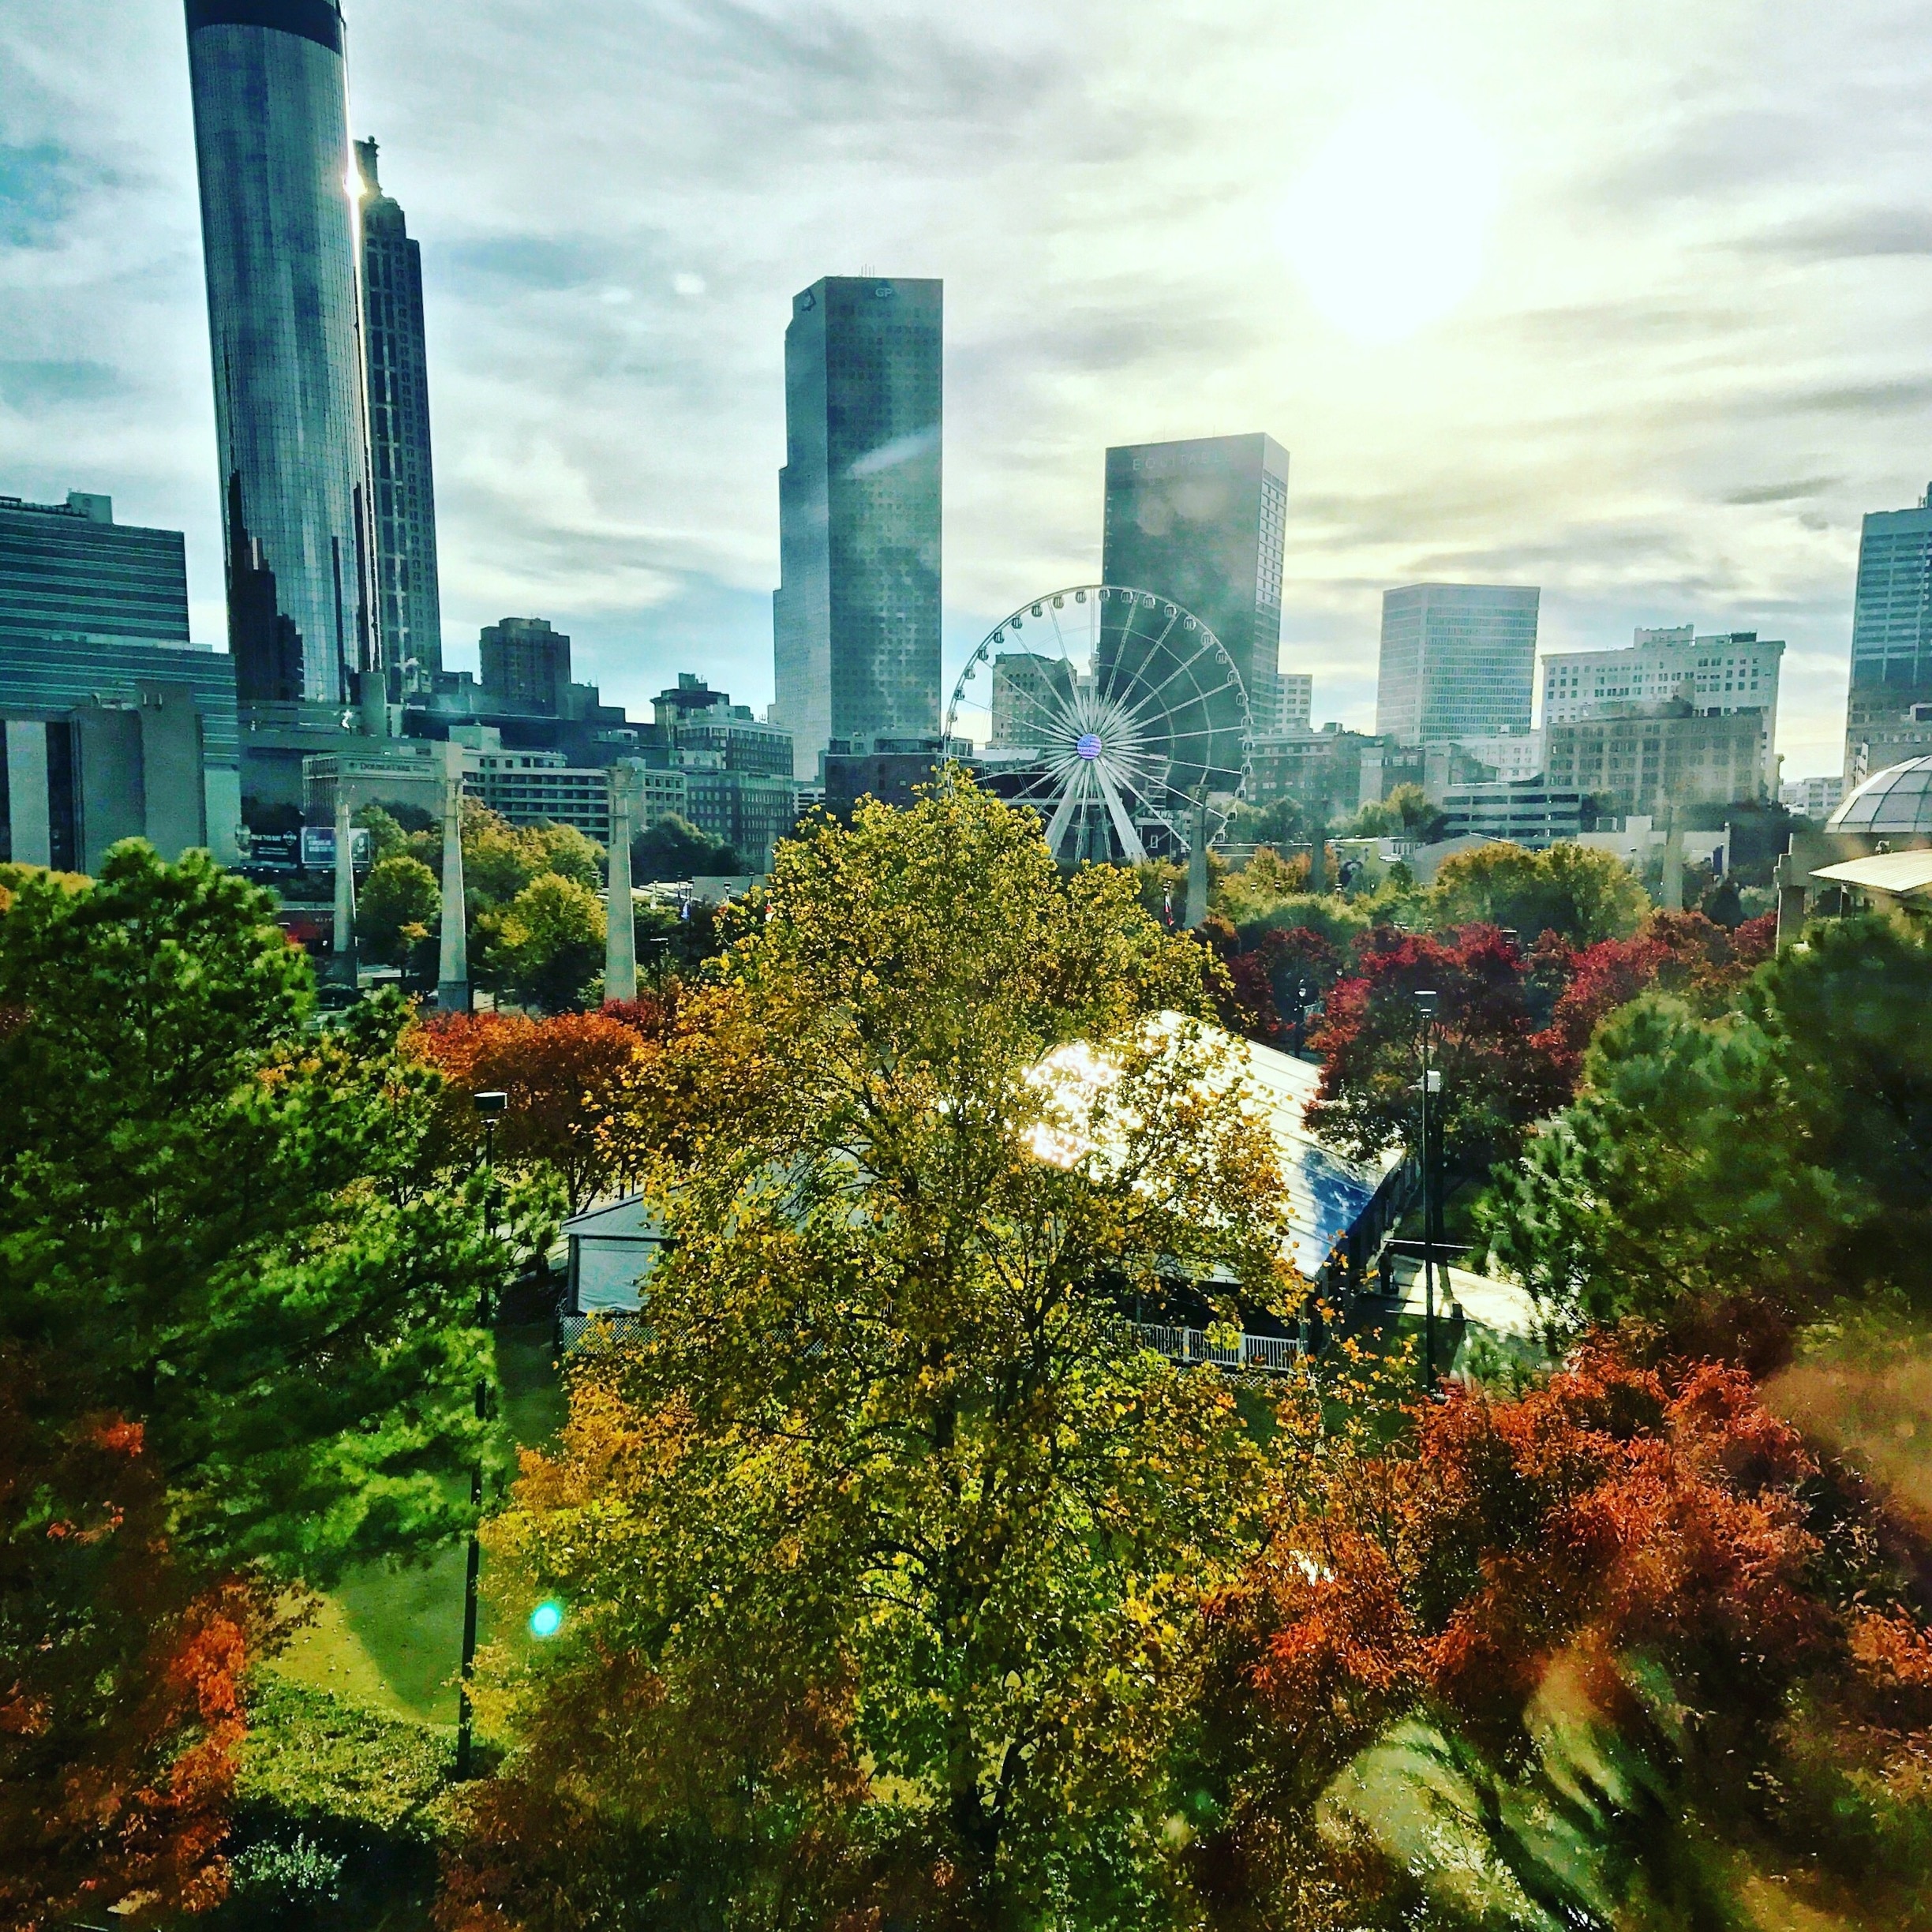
{"x": 1631, "y": 300}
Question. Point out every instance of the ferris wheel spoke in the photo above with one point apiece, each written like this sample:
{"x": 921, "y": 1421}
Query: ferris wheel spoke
{"x": 1123, "y": 822}
{"x": 1120, "y": 654}
{"x": 1212, "y": 641}
{"x": 1057, "y": 827}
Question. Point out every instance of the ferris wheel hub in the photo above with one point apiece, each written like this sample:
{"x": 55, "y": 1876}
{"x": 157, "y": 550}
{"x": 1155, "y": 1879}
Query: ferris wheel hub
{"x": 1089, "y": 745}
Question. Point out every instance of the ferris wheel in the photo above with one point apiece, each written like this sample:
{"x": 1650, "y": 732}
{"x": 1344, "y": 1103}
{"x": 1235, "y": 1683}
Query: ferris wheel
{"x": 1115, "y": 714}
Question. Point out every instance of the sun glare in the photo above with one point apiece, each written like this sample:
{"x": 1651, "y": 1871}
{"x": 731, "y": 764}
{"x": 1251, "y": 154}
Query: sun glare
{"x": 1387, "y": 226}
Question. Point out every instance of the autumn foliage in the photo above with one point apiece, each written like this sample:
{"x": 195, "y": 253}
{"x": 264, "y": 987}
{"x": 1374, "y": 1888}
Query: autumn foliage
{"x": 1634, "y": 1567}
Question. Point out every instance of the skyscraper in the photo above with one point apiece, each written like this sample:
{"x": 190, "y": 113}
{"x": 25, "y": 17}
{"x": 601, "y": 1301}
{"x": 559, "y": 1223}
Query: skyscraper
{"x": 1203, "y": 522}
{"x": 855, "y": 619}
{"x": 1459, "y": 661}
{"x": 408, "y": 605}
{"x": 1891, "y": 640}
{"x": 70, "y": 570}
{"x": 278, "y": 225}
{"x": 526, "y": 665}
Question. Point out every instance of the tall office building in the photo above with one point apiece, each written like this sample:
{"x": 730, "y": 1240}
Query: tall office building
{"x": 1203, "y": 523}
{"x": 278, "y": 225}
{"x": 855, "y": 619}
{"x": 408, "y": 605}
{"x": 1891, "y": 697}
{"x": 1458, "y": 661}
{"x": 70, "y": 570}
{"x": 526, "y": 665}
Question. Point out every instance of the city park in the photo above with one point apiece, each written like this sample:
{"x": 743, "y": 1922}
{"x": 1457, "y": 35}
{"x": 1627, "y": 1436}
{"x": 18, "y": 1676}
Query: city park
{"x": 936, "y": 1543}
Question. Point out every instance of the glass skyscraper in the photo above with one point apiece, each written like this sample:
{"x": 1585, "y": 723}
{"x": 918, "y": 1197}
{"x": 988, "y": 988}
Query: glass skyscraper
{"x": 1890, "y": 702}
{"x": 1203, "y": 522}
{"x": 1458, "y": 661}
{"x": 409, "y": 606}
{"x": 70, "y": 570}
{"x": 278, "y": 223}
{"x": 855, "y": 619}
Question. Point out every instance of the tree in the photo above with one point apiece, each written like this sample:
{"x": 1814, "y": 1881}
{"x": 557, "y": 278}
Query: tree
{"x": 1281, "y": 821}
{"x": 1496, "y": 1078}
{"x": 237, "y": 1317}
{"x": 1742, "y": 1174}
{"x": 398, "y": 908}
{"x": 566, "y": 1078}
{"x": 547, "y": 946}
{"x": 674, "y": 849}
{"x": 1406, "y": 813}
{"x": 500, "y": 860}
{"x": 1610, "y": 1653}
{"x": 1575, "y": 891}
{"x": 875, "y": 1538}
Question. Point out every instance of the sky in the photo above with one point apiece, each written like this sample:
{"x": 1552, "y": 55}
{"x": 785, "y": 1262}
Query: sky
{"x": 1631, "y": 301}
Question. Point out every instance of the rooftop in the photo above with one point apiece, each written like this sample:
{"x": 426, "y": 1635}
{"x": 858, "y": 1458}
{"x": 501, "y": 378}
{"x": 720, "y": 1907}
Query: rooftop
{"x": 1898, "y": 798}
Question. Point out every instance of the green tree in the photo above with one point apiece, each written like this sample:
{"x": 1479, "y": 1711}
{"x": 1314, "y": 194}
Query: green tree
{"x": 547, "y": 946}
{"x": 1579, "y": 893}
{"x": 879, "y": 1542}
{"x": 238, "y": 1341}
{"x": 1406, "y": 813}
{"x": 674, "y": 849}
{"x": 1777, "y": 1158}
{"x": 398, "y": 908}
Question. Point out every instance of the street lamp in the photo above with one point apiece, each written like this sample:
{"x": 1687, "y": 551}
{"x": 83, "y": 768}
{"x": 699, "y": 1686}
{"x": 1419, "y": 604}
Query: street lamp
{"x": 490, "y": 1106}
{"x": 1426, "y": 1002}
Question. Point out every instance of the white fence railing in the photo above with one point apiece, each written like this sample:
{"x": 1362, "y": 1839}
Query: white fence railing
{"x": 1276, "y": 1354}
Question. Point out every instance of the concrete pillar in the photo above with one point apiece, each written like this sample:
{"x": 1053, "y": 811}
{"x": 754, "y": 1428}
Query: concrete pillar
{"x": 1671, "y": 892}
{"x": 620, "y": 920}
{"x": 1197, "y": 864}
{"x": 344, "y": 960}
{"x": 453, "y": 967}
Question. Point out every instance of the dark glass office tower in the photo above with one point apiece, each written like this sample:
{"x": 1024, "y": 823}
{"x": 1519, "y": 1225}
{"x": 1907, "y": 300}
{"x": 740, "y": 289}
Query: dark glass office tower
{"x": 278, "y": 225}
{"x": 408, "y": 605}
{"x": 70, "y": 570}
{"x": 1891, "y": 694}
{"x": 856, "y": 620}
{"x": 1203, "y": 522}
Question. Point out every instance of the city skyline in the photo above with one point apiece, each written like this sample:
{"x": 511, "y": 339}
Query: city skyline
{"x": 606, "y": 310}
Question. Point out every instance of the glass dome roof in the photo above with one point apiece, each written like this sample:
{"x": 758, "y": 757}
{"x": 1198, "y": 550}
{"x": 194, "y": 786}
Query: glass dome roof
{"x": 1898, "y": 798}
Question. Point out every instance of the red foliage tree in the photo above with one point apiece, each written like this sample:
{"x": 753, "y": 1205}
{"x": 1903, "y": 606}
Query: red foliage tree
{"x": 1625, "y": 1519}
{"x": 119, "y": 1724}
{"x": 1497, "y": 1078}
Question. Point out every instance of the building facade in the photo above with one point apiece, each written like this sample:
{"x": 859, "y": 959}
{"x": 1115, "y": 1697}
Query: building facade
{"x": 1527, "y": 813}
{"x": 1203, "y": 523}
{"x": 1459, "y": 661}
{"x": 1321, "y": 771}
{"x": 856, "y": 619}
{"x": 1733, "y": 671}
{"x": 1029, "y": 692}
{"x": 1813, "y": 798}
{"x": 1297, "y": 702}
{"x": 278, "y": 224}
{"x": 1664, "y": 756}
{"x": 1890, "y": 707}
{"x": 70, "y": 570}
{"x": 526, "y": 666}
{"x": 104, "y": 741}
{"x": 408, "y": 599}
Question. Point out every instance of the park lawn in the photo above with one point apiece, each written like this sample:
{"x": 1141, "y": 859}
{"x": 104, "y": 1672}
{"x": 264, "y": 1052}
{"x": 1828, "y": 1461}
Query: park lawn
{"x": 391, "y": 1637}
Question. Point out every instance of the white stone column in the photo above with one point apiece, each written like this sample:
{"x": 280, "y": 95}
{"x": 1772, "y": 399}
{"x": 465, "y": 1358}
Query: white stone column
{"x": 344, "y": 947}
{"x": 619, "y": 918}
{"x": 453, "y": 967}
{"x": 1197, "y": 864}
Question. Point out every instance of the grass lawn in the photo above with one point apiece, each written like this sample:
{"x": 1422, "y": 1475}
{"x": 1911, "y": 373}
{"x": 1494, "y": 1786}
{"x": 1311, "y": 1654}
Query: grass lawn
{"x": 392, "y": 1637}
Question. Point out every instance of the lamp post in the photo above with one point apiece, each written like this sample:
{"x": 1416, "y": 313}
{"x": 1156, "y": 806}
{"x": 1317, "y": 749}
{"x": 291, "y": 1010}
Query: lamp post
{"x": 490, "y": 1106}
{"x": 1304, "y": 995}
{"x": 1431, "y": 1083}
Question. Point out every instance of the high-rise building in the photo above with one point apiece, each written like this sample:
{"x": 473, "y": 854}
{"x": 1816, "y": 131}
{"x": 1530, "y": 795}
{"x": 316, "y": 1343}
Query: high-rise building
{"x": 1297, "y": 702}
{"x": 1891, "y": 640}
{"x": 70, "y": 570}
{"x": 409, "y": 603}
{"x": 856, "y": 619}
{"x": 1029, "y": 691}
{"x": 1731, "y": 671}
{"x": 277, "y": 226}
{"x": 1203, "y": 523}
{"x": 526, "y": 666}
{"x": 1459, "y": 661}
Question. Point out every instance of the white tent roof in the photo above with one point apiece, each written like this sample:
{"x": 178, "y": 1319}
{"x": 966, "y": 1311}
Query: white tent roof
{"x": 1899, "y": 875}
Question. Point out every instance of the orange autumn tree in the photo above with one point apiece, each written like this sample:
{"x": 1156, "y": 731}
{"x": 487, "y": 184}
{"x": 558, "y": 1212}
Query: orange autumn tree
{"x": 1617, "y": 1652}
{"x": 568, "y": 1078}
